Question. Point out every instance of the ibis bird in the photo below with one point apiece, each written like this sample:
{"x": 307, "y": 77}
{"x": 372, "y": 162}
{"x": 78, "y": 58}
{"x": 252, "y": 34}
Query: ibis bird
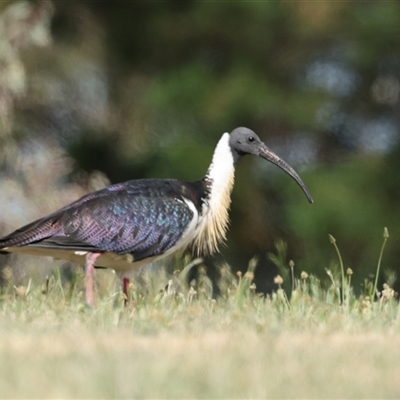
{"x": 130, "y": 224}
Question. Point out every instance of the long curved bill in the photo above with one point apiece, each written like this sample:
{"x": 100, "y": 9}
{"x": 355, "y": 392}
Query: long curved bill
{"x": 269, "y": 155}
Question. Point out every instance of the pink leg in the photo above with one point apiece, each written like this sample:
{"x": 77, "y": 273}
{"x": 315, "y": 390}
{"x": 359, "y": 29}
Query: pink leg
{"x": 89, "y": 269}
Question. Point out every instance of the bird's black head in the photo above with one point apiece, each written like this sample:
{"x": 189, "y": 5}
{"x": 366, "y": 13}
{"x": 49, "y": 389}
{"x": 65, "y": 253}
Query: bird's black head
{"x": 244, "y": 141}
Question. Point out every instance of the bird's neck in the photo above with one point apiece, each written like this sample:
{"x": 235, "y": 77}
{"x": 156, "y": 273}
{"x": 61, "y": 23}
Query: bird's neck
{"x": 214, "y": 214}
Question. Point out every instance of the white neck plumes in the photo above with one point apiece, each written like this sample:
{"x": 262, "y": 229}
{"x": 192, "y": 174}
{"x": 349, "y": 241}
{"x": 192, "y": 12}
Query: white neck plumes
{"x": 215, "y": 219}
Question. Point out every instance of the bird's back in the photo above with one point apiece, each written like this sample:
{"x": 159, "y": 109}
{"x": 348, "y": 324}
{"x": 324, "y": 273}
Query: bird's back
{"x": 128, "y": 222}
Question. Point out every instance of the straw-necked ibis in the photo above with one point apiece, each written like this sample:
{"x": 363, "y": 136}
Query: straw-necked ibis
{"x": 127, "y": 225}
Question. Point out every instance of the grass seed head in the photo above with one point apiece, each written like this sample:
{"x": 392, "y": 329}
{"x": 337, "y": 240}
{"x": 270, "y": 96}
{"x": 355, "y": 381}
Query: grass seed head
{"x": 331, "y": 239}
{"x": 385, "y": 233}
{"x": 249, "y": 276}
{"x": 20, "y": 291}
{"x": 303, "y": 275}
{"x": 387, "y": 292}
{"x": 6, "y": 275}
{"x": 366, "y": 304}
{"x": 278, "y": 280}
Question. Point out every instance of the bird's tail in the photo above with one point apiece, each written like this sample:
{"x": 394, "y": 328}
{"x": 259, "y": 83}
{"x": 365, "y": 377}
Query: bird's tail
{"x": 31, "y": 233}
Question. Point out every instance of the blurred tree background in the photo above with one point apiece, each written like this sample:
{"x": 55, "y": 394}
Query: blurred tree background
{"x": 106, "y": 91}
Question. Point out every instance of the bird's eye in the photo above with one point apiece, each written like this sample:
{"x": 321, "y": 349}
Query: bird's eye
{"x": 250, "y": 139}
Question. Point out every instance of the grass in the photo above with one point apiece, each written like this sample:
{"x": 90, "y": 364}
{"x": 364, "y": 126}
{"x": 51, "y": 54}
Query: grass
{"x": 312, "y": 341}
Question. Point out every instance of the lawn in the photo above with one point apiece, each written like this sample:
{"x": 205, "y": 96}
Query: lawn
{"x": 175, "y": 341}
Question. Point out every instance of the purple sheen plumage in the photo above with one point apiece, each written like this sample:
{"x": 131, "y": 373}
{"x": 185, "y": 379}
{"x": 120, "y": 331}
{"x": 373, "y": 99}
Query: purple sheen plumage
{"x": 144, "y": 218}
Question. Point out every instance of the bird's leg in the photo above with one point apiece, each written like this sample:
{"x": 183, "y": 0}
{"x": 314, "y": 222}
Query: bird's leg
{"x": 125, "y": 286}
{"x": 89, "y": 284}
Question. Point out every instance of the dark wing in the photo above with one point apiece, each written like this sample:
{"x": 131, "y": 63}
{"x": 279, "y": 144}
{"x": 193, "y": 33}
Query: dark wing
{"x": 143, "y": 218}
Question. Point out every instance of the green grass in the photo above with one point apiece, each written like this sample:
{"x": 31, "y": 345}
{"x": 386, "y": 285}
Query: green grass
{"x": 313, "y": 341}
